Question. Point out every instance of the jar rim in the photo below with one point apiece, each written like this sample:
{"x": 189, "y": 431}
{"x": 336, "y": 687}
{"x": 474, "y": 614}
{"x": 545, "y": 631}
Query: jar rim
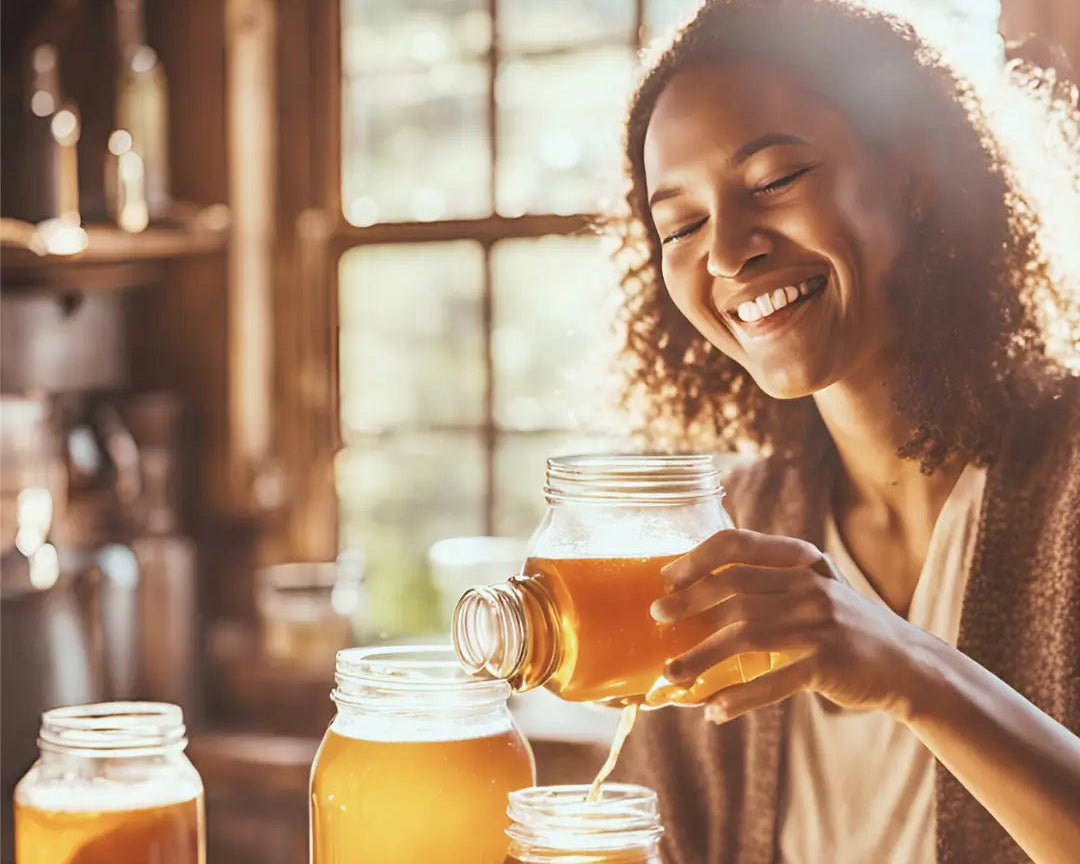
{"x": 624, "y": 815}
{"x": 633, "y": 478}
{"x": 113, "y": 729}
{"x": 409, "y": 671}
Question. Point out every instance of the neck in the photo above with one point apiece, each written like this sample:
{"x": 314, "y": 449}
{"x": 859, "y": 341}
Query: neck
{"x": 867, "y": 430}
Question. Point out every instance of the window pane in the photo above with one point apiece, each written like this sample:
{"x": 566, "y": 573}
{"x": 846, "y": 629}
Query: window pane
{"x": 552, "y": 341}
{"x": 661, "y": 16}
{"x": 415, "y": 145}
{"x": 559, "y": 131}
{"x": 411, "y": 337}
{"x": 397, "y": 497}
{"x": 964, "y": 31}
{"x": 531, "y": 25}
{"x": 381, "y": 36}
{"x": 520, "y": 466}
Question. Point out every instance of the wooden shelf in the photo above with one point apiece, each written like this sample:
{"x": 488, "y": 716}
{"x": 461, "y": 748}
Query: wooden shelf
{"x": 112, "y": 259}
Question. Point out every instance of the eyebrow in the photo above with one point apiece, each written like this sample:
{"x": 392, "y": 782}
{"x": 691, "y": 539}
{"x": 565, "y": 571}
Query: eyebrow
{"x": 771, "y": 139}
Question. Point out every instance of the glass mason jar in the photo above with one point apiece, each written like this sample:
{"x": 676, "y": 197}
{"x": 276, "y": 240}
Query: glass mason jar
{"x": 576, "y": 619}
{"x": 417, "y": 763}
{"x": 555, "y": 825}
{"x": 112, "y": 785}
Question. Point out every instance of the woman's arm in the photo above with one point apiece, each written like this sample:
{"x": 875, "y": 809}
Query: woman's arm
{"x": 1020, "y": 764}
{"x": 783, "y": 595}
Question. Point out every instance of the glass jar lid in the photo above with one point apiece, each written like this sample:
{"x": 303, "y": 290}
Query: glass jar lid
{"x": 560, "y": 819}
{"x": 113, "y": 729}
{"x": 412, "y": 678}
{"x": 633, "y": 478}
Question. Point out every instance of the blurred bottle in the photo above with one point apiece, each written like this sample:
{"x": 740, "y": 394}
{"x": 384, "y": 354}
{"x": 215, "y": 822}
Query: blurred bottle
{"x": 63, "y": 234}
{"x": 41, "y": 156}
{"x": 142, "y": 104}
{"x": 125, "y": 184}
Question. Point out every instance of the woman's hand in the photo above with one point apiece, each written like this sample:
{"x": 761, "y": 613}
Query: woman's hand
{"x": 767, "y": 593}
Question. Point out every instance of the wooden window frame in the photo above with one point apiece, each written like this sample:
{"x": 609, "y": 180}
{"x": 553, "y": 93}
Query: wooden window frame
{"x": 296, "y": 478}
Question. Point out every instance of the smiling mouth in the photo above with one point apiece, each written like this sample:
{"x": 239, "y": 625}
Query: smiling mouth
{"x": 773, "y": 303}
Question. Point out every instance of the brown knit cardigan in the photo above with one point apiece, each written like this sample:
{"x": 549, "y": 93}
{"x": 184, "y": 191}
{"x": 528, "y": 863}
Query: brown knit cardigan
{"x": 719, "y": 786}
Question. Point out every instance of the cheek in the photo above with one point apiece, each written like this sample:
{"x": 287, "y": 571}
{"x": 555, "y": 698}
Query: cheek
{"x": 874, "y": 232}
{"x": 680, "y": 287}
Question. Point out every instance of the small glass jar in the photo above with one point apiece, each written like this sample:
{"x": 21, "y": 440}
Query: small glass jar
{"x": 576, "y": 620}
{"x": 112, "y": 785}
{"x": 417, "y": 763}
{"x": 556, "y": 825}
{"x": 305, "y": 612}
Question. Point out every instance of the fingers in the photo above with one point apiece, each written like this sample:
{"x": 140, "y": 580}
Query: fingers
{"x": 749, "y": 623}
{"x": 728, "y": 581}
{"x": 738, "y": 547}
{"x": 767, "y": 689}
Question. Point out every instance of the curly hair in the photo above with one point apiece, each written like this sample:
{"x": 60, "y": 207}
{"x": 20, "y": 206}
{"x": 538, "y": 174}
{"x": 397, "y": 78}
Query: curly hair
{"x": 974, "y": 285}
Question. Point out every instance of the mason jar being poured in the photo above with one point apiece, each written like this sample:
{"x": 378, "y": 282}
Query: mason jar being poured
{"x": 576, "y": 619}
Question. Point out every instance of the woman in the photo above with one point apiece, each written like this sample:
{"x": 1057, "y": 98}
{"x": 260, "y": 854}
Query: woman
{"x": 837, "y": 267}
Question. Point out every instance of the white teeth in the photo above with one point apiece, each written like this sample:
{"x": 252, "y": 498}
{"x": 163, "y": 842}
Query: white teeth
{"x": 748, "y": 312}
{"x": 773, "y": 301}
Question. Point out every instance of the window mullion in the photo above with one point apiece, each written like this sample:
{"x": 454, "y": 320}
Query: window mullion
{"x": 487, "y": 304}
{"x": 490, "y": 432}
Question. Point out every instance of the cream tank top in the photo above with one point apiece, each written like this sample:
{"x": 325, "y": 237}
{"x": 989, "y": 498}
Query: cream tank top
{"x": 858, "y": 786}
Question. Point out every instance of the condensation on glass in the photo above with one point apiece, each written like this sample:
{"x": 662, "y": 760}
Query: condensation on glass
{"x": 111, "y": 784}
{"x": 555, "y": 825}
{"x": 417, "y": 763}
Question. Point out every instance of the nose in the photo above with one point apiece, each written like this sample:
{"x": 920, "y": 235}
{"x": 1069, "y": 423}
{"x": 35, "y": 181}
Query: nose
{"x": 736, "y": 241}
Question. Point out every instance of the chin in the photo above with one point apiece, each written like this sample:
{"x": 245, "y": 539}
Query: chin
{"x": 789, "y": 383}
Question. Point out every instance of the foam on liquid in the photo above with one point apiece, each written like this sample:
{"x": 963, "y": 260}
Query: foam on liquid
{"x": 398, "y": 730}
{"x": 106, "y": 795}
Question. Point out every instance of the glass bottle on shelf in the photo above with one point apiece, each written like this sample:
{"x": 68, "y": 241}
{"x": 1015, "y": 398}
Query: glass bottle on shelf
{"x": 41, "y": 180}
{"x": 576, "y": 619}
{"x": 142, "y": 105}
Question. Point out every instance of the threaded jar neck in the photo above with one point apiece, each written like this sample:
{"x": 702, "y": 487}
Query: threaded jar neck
{"x": 412, "y": 679}
{"x": 635, "y": 479}
{"x": 491, "y": 631}
{"x": 558, "y": 819}
{"x": 113, "y": 729}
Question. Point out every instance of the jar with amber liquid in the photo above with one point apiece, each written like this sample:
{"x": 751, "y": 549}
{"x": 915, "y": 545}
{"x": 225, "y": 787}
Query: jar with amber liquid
{"x": 112, "y": 786}
{"x": 576, "y": 619}
{"x": 556, "y": 825}
{"x": 417, "y": 763}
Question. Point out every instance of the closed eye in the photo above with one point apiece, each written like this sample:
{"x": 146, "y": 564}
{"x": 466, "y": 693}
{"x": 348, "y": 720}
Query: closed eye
{"x": 782, "y": 183}
{"x": 681, "y": 233}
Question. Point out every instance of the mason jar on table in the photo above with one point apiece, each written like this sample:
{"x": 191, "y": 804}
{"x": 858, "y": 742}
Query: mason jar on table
{"x": 417, "y": 764}
{"x": 111, "y": 786}
{"x": 556, "y": 825}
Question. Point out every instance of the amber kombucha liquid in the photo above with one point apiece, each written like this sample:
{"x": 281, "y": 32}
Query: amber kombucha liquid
{"x": 415, "y": 801}
{"x": 53, "y": 834}
{"x": 611, "y": 648}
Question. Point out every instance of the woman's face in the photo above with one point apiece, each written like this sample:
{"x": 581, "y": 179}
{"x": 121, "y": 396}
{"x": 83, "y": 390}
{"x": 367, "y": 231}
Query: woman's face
{"x": 778, "y": 227}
